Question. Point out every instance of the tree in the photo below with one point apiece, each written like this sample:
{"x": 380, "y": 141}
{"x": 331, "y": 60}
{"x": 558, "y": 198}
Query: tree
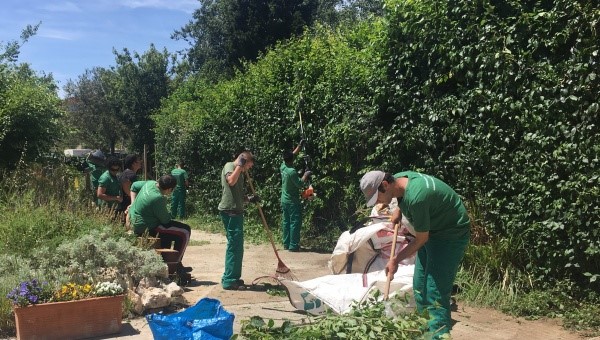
{"x": 142, "y": 82}
{"x": 93, "y": 110}
{"x": 224, "y": 33}
{"x": 30, "y": 109}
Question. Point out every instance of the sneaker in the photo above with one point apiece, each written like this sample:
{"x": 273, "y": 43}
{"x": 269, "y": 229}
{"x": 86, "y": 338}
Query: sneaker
{"x": 235, "y": 287}
{"x": 240, "y": 282}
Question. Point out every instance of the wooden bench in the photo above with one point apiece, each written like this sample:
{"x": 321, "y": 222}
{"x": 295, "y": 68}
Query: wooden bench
{"x": 170, "y": 256}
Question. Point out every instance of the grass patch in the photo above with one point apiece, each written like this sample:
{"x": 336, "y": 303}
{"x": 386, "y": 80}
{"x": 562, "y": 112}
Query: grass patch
{"x": 198, "y": 243}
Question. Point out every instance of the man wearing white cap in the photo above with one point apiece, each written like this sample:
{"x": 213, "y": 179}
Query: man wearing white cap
{"x": 442, "y": 232}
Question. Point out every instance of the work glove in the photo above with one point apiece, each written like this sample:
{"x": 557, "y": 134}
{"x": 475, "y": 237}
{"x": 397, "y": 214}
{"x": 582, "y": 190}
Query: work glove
{"x": 240, "y": 161}
{"x": 253, "y": 199}
{"x": 307, "y": 174}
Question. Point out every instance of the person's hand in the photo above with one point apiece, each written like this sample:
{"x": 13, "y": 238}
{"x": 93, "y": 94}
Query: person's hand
{"x": 240, "y": 161}
{"x": 391, "y": 267}
{"x": 119, "y": 199}
{"x": 301, "y": 142}
{"x": 307, "y": 175}
{"x": 396, "y": 216}
{"x": 253, "y": 199}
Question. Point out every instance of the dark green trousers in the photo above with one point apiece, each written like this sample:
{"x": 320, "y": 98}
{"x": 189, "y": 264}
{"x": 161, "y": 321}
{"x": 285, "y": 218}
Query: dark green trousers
{"x": 234, "y": 254}
{"x": 436, "y": 266}
{"x": 178, "y": 203}
{"x": 291, "y": 224}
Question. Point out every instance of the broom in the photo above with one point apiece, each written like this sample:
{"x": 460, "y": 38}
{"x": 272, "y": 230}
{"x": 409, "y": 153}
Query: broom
{"x": 392, "y": 253}
{"x": 282, "y": 270}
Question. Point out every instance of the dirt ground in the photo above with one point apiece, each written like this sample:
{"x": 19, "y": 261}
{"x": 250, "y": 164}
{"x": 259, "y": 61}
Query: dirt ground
{"x": 259, "y": 260}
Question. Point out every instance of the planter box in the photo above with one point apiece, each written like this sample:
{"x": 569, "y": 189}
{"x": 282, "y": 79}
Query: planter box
{"x": 70, "y": 320}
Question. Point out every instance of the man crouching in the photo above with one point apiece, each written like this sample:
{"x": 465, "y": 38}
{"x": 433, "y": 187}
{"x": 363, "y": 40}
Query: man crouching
{"x": 148, "y": 213}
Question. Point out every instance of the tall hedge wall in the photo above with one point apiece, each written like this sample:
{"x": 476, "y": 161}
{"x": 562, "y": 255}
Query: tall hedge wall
{"x": 498, "y": 98}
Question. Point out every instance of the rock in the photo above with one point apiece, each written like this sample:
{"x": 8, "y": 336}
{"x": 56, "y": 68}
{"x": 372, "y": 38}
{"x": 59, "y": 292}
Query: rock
{"x": 173, "y": 290}
{"x": 155, "y": 298}
{"x": 136, "y": 301}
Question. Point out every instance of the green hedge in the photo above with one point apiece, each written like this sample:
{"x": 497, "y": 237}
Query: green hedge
{"x": 500, "y": 98}
{"x": 497, "y": 98}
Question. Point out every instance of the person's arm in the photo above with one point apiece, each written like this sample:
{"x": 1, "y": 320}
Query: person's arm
{"x": 420, "y": 239}
{"x": 160, "y": 210}
{"x": 101, "y": 193}
{"x": 233, "y": 176}
{"x": 126, "y": 187}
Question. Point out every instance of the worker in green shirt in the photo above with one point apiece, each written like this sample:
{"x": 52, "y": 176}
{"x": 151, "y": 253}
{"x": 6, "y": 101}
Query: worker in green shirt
{"x": 148, "y": 213}
{"x": 109, "y": 188}
{"x": 231, "y": 209}
{"x": 442, "y": 232}
{"x": 96, "y": 162}
{"x": 291, "y": 206}
{"x": 178, "y": 198}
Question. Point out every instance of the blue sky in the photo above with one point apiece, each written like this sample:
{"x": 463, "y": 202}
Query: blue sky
{"x": 79, "y": 35}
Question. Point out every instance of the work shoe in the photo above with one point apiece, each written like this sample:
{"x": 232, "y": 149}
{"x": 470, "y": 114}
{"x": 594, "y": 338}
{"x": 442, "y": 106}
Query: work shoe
{"x": 235, "y": 287}
{"x": 180, "y": 267}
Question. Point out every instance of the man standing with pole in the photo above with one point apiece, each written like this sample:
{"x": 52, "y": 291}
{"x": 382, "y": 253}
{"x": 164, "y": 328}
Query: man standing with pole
{"x": 290, "y": 200}
{"x": 442, "y": 232}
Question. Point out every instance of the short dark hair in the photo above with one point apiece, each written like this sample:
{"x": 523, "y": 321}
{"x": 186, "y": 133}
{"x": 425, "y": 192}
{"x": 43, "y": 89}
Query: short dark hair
{"x": 388, "y": 177}
{"x": 129, "y": 160}
{"x": 112, "y": 162}
{"x": 288, "y": 156}
{"x": 167, "y": 182}
{"x": 181, "y": 163}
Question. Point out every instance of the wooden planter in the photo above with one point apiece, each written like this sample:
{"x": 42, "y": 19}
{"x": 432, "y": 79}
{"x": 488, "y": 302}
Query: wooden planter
{"x": 70, "y": 320}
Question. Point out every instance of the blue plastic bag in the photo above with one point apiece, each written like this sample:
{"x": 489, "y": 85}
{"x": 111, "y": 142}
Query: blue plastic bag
{"x": 206, "y": 320}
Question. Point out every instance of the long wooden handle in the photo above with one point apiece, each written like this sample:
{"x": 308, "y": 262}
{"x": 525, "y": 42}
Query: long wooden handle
{"x": 392, "y": 254}
{"x": 262, "y": 215}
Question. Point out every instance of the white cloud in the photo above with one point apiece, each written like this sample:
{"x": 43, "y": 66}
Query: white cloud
{"x": 58, "y": 34}
{"x": 187, "y": 6}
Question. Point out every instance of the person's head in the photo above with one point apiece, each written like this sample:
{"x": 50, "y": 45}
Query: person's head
{"x": 181, "y": 163}
{"x": 166, "y": 183}
{"x": 288, "y": 156}
{"x": 375, "y": 185}
{"x": 113, "y": 165}
{"x": 132, "y": 161}
{"x": 249, "y": 159}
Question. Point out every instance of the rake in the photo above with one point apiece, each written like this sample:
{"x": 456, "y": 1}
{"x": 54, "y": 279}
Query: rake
{"x": 392, "y": 253}
{"x": 282, "y": 270}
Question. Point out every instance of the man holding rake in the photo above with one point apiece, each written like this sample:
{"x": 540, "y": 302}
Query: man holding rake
{"x": 231, "y": 209}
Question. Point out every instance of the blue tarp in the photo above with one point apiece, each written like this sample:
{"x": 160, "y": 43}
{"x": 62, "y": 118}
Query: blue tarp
{"x": 206, "y": 320}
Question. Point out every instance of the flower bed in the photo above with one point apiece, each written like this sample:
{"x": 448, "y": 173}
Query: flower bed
{"x": 71, "y": 312}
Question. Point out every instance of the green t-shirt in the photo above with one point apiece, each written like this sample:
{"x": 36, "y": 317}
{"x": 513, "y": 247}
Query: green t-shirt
{"x": 95, "y": 172}
{"x": 149, "y": 209}
{"x": 290, "y": 184}
{"x": 112, "y": 186}
{"x": 232, "y": 198}
{"x": 432, "y": 205}
{"x": 181, "y": 176}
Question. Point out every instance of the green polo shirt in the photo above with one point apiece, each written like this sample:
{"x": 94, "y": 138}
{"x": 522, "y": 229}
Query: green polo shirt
{"x": 432, "y": 205}
{"x": 112, "y": 186}
{"x": 181, "y": 176}
{"x": 290, "y": 184}
{"x": 232, "y": 198}
{"x": 149, "y": 209}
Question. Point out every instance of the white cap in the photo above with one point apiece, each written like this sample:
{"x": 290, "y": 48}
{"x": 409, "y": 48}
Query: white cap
{"x": 369, "y": 184}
